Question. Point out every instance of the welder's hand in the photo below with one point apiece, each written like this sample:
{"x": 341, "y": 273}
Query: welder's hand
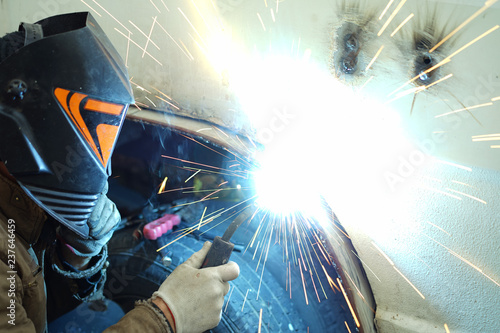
{"x": 195, "y": 296}
{"x": 102, "y": 223}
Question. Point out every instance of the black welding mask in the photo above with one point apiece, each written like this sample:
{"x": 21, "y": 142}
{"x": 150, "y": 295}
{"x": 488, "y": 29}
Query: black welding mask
{"x": 63, "y": 99}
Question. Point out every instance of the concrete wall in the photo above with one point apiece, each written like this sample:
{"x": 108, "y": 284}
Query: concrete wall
{"x": 421, "y": 205}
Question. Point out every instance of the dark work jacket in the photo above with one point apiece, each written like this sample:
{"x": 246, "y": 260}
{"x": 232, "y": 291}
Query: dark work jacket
{"x": 33, "y": 287}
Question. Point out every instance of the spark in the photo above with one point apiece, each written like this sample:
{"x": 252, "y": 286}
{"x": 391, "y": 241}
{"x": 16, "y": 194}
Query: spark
{"x": 139, "y": 87}
{"x": 409, "y": 282}
{"x": 468, "y": 196}
{"x": 178, "y": 189}
{"x": 455, "y": 165}
{"x": 202, "y": 215}
{"x": 467, "y": 21}
{"x": 149, "y": 37}
{"x": 441, "y": 192}
{"x": 192, "y": 26}
{"x": 272, "y": 15}
{"x": 277, "y": 5}
{"x": 149, "y": 99}
{"x": 114, "y": 18}
{"x": 367, "y": 81}
{"x": 444, "y": 62}
{"x": 473, "y": 41}
{"x": 244, "y": 300}
{"x": 131, "y": 40}
{"x": 194, "y": 174}
{"x": 169, "y": 103}
{"x": 495, "y": 99}
{"x": 128, "y": 49}
{"x": 261, "y": 22}
{"x": 229, "y": 298}
{"x": 95, "y": 11}
{"x": 165, "y": 5}
{"x": 465, "y": 109}
{"x": 347, "y": 326}
{"x": 162, "y": 187}
{"x": 365, "y": 265}
{"x": 265, "y": 3}
{"x": 303, "y": 283}
{"x": 386, "y": 9}
{"x": 186, "y": 49}
{"x": 348, "y": 303}
{"x": 463, "y": 260}
{"x": 438, "y": 227}
{"x": 175, "y": 42}
{"x": 260, "y": 320}
{"x": 201, "y": 15}
{"x": 402, "y": 24}
{"x": 204, "y": 198}
{"x": 495, "y": 146}
{"x": 158, "y": 9}
{"x": 394, "y": 13}
{"x": 397, "y": 270}
{"x": 374, "y": 58}
{"x": 436, "y": 82}
{"x": 487, "y": 138}
{"x": 446, "y": 328}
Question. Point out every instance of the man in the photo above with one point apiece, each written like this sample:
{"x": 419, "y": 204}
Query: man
{"x": 64, "y": 92}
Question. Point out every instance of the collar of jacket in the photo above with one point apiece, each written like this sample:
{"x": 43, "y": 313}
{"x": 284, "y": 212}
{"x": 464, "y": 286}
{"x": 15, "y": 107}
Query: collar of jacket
{"x": 16, "y": 205}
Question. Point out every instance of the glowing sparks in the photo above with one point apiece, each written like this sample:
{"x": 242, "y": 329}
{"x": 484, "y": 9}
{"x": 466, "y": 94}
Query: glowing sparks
{"x": 244, "y": 300}
{"x": 468, "y": 196}
{"x": 487, "y": 137}
{"x": 386, "y": 9}
{"x": 175, "y": 42}
{"x": 389, "y": 20}
{"x": 194, "y": 174}
{"x": 192, "y": 26}
{"x": 463, "y": 260}
{"x": 467, "y": 21}
{"x": 202, "y": 216}
{"x": 162, "y": 186}
{"x": 154, "y": 5}
{"x": 473, "y": 41}
{"x": 95, "y": 11}
{"x": 261, "y": 22}
{"x": 495, "y": 146}
{"x": 349, "y": 303}
{"x": 229, "y": 298}
{"x": 114, "y": 18}
{"x": 441, "y": 192}
{"x": 463, "y": 167}
{"x": 409, "y": 282}
{"x": 446, "y": 328}
{"x": 437, "y": 81}
{"x": 495, "y": 99}
{"x": 438, "y": 227}
{"x": 347, "y": 326}
{"x": 140, "y": 47}
{"x": 374, "y": 58}
{"x": 149, "y": 37}
{"x": 142, "y": 33}
{"x": 397, "y": 270}
{"x": 402, "y": 24}
{"x": 260, "y": 321}
{"x": 367, "y": 81}
{"x": 464, "y": 109}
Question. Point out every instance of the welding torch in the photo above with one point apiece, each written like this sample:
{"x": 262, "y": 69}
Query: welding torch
{"x": 221, "y": 248}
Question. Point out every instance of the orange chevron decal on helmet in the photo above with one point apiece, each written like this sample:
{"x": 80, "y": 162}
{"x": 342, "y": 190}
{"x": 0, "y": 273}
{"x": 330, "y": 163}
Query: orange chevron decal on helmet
{"x": 101, "y": 132}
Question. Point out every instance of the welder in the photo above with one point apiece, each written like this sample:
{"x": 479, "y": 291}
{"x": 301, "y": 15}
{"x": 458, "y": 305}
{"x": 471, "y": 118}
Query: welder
{"x": 64, "y": 93}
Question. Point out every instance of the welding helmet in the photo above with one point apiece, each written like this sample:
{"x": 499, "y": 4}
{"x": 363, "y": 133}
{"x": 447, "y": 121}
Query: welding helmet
{"x": 63, "y": 99}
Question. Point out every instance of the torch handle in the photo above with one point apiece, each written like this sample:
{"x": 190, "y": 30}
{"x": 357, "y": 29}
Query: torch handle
{"x": 219, "y": 253}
